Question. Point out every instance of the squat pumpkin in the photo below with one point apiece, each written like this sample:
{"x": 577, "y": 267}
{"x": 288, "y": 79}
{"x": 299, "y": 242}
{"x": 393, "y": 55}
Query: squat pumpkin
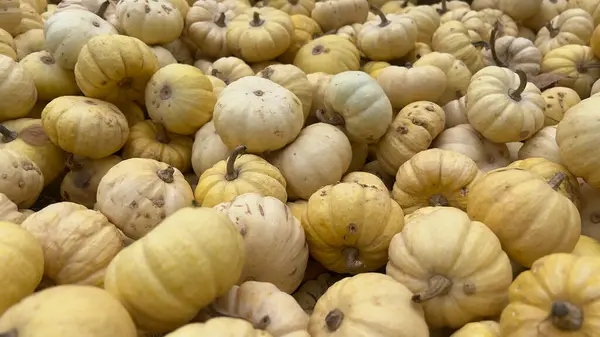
{"x": 17, "y": 88}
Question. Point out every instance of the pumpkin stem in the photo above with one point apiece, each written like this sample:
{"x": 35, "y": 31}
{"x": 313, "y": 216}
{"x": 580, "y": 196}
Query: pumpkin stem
{"x": 493, "y": 36}
{"x": 7, "y": 135}
{"x": 221, "y": 20}
{"x": 438, "y": 200}
{"x": 408, "y": 65}
{"x": 351, "y": 256}
{"x": 553, "y": 31}
{"x": 582, "y": 68}
{"x": 479, "y": 44}
{"x": 263, "y": 323}
{"x": 231, "y": 172}
{"x": 516, "y": 94}
{"x": 556, "y": 180}
{"x": 293, "y": 2}
{"x": 103, "y": 9}
{"x": 566, "y": 316}
{"x": 335, "y": 120}
{"x": 166, "y": 175}
{"x": 256, "y": 20}
{"x": 333, "y": 320}
{"x": 161, "y": 134}
{"x": 436, "y": 286}
{"x": 384, "y": 19}
{"x": 444, "y": 8}
{"x": 72, "y": 163}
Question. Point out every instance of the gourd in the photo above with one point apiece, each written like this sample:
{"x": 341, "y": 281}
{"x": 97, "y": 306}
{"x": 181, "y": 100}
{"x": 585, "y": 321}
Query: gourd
{"x": 305, "y": 30}
{"x": 573, "y": 26}
{"x": 274, "y": 240}
{"x": 458, "y": 75}
{"x": 427, "y": 20}
{"x": 387, "y": 37}
{"x": 180, "y": 97}
{"x": 7, "y": 45}
{"x": 201, "y": 245}
{"x": 9, "y": 211}
{"x": 495, "y": 198}
{"x": 138, "y": 193}
{"x": 456, "y": 112}
{"x": 480, "y": 329}
{"x": 453, "y": 38}
{"x": 330, "y": 54}
{"x": 513, "y": 53}
{"x": 589, "y": 211}
{"x": 148, "y": 139}
{"x": 318, "y": 156}
{"x": 65, "y": 313}
{"x": 78, "y": 243}
{"x": 558, "y": 101}
{"x": 455, "y": 272}
{"x": 31, "y": 41}
{"x": 207, "y": 149}
{"x": 343, "y": 220}
{"x": 310, "y": 292}
{"x": 85, "y": 126}
{"x": 235, "y": 176}
{"x": 552, "y": 298}
{"x": 269, "y": 117}
{"x": 334, "y": 14}
{"x": 11, "y": 16}
{"x": 217, "y": 84}
{"x": 21, "y": 179}
{"x": 219, "y": 326}
{"x": 51, "y": 80}
{"x": 153, "y": 22}
{"x": 229, "y": 69}
{"x": 293, "y": 79}
{"x": 586, "y": 246}
{"x": 22, "y": 264}
{"x": 206, "y": 26}
{"x": 542, "y": 145}
{"x": 163, "y": 56}
{"x": 341, "y": 310}
{"x": 405, "y": 85}
{"x": 17, "y": 88}
{"x": 576, "y": 65}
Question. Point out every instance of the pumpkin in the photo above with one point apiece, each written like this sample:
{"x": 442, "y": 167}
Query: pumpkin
{"x": 67, "y": 31}
{"x": 375, "y": 168}
{"x": 456, "y": 112}
{"x": 163, "y": 56}
{"x": 11, "y": 16}
{"x": 21, "y": 180}
{"x": 513, "y": 149}
{"x": 479, "y": 329}
{"x": 529, "y": 216}
{"x": 7, "y": 45}
{"x": 220, "y": 326}
{"x": 78, "y": 243}
{"x": 293, "y": 79}
{"x": 573, "y": 26}
{"x": 318, "y": 83}
{"x": 31, "y": 41}
{"x": 546, "y": 12}
{"x": 360, "y": 152}
{"x": 464, "y": 139}
{"x": 427, "y": 20}
{"x": 260, "y": 66}
{"x": 181, "y": 49}
{"x": 453, "y": 273}
{"x": 589, "y": 211}
{"x": 229, "y": 69}
{"x": 387, "y": 37}
{"x": 590, "y": 6}
{"x": 419, "y": 50}
{"x": 334, "y": 14}
{"x": 17, "y": 87}
{"x": 245, "y": 122}
{"x": 278, "y": 258}
{"x": 405, "y": 85}
{"x": 80, "y": 184}
{"x": 305, "y": 30}
{"x": 504, "y": 106}
{"x": 297, "y": 208}
{"x": 365, "y": 178}
{"x": 586, "y": 246}
{"x": 207, "y": 149}
{"x": 180, "y": 97}
{"x": 9, "y": 211}
{"x": 22, "y": 264}
{"x": 575, "y": 136}
{"x": 395, "y": 6}
{"x": 330, "y": 54}
{"x": 478, "y": 29}
{"x": 553, "y": 298}
{"x": 197, "y": 246}
{"x": 542, "y": 145}
{"x": 293, "y": 7}
{"x": 453, "y": 38}
{"x": 115, "y": 68}
{"x": 51, "y": 80}
{"x": 132, "y": 111}
{"x": 526, "y": 33}
{"x": 138, "y": 202}
{"x": 153, "y": 22}
{"x": 576, "y": 65}
{"x": 558, "y": 101}
{"x": 458, "y": 75}
{"x": 260, "y": 34}
{"x": 217, "y": 84}
{"x": 513, "y": 53}
{"x": 343, "y": 221}
{"x": 310, "y": 292}
{"x": 206, "y": 26}
{"x": 373, "y": 68}
{"x": 595, "y": 42}
{"x": 236, "y": 176}
{"x": 30, "y": 19}
{"x": 60, "y": 310}
{"x": 343, "y": 309}
{"x": 412, "y": 131}
{"x": 266, "y": 307}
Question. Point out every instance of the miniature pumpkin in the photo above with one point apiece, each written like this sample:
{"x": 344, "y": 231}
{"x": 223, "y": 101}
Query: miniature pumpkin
{"x": 180, "y": 242}
{"x": 420, "y": 49}
{"x": 30, "y": 19}
{"x": 373, "y": 68}
{"x": 208, "y": 149}
{"x": 293, "y": 79}
{"x": 456, "y": 112}
{"x": 589, "y": 211}
{"x": 11, "y": 16}
{"x": 229, "y": 69}
{"x": 7, "y": 45}
{"x": 387, "y": 37}
{"x": 427, "y": 20}
{"x": 558, "y": 101}
{"x": 310, "y": 292}
{"x": 163, "y": 56}
{"x": 305, "y": 30}
{"x": 293, "y": 7}
{"x": 182, "y": 49}
{"x": 17, "y": 89}
{"x": 21, "y": 180}
{"x": 513, "y": 53}
{"x": 547, "y": 11}
{"x": 217, "y": 84}
{"x": 405, "y": 85}
{"x": 330, "y": 54}
{"x": 477, "y": 27}
{"x": 334, "y": 14}
{"x": 576, "y": 65}
{"x": 586, "y": 246}
{"x": 542, "y": 145}
{"x": 458, "y": 75}
{"x": 479, "y": 329}
{"x": 31, "y": 41}
{"x": 219, "y": 326}
{"x": 153, "y": 22}
{"x": 453, "y": 38}
{"x": 573, "y": 26}
{"x": 9, "y": 211}
{"x": 206, "y": 26}
{"x": 51, "y": 80}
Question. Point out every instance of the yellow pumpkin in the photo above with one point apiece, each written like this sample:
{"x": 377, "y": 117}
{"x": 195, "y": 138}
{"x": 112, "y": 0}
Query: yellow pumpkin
{"x": 542, "y": 145}
{"x": 21, "y": 180}
{"x": 334, "y": 14}
{"x": 453, "y": 38}
{"x": 458, "y": 75}
{"x": 419, "y": 50}
{"x": 330, "y": 54}
{"x": 17, "y": 88}
{"x": 229, "y": 69}
{"x": 406, "y": 85}
{"x": 427, "y": 20}
{"x": 10, "y": 16}
{"x": 51, "y": 80}
{"x": 305, "y": 30}
{"x": 595, "y": 42}
{"x": 206, "y": 26}
{"x": 576, "y": 65}
{"x": 478, "y": 329}
{"x": 132, "y": 111}
{"x": 30, "y": 19}
{"x": 29, "y": 42}
{"x": 373, "y": 68}
{"x": 586, "y": 246}
{"x": 387, "y": 37}
{"x": 558, "y": 101}
{"x": 219, "y": 326}
{"x": 478, "y": 29}
{"x": 293, "y": 79}
{"x": 573, "y": 26}
{"x": 7, "y": 45}
{"x": 153, "y": 22}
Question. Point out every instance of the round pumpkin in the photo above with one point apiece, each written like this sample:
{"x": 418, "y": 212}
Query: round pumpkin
{"x": 305, "y": 30}
{"x": 513, "y": 53}
{"x": 293, "y": 79}
{"x": 458, "y": 75}
{"x": 456, "y": 112}
{"x": 453, "y": 38}
{"x": 575, "y": 65}
{"x": 153, "y": 22}
{"x": 573, "y": 26}
{"x": 330, "y": 54}
{"x": 206, "y": 26}
{"x": 558, "y": 101}
{"x": 229, "y": 69}
{"x": 21, "y": 179}
{"x": 387, "y": 37}
{"x": 542, "y": 145}
{"x": 333, "y": 14}
{"x": 10, "y": 16}
{"x": 51, "y": 80}
{"x": 17, "y": 88}
{"x": 163, "y": 56}
{"x": 586, "y": 246}
{"x": 219, "y": 326}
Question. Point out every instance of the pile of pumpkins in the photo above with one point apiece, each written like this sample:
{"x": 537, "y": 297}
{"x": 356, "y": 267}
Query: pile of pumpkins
{"x": 299, "y": 168}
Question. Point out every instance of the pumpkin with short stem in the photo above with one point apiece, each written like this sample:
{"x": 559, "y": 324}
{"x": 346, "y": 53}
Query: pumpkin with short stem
{"x": 590, "y": 210}
{"x": 573, "y": 26}
{"x": 310, "y": 292}
{"x": 341, "y": 310}
{"x": 21, "y": 180}
{"x": 278, "y": 258}
{"x": 198, "y": 246}
{"x": 153, "y": 22}
{"x": 513, "y": 53}
{"x": 305, "y": 30}
{"x": 518, "y": 205}
{"x": 206, "y": 26}
{"x": 330, "y": 54}
{"x": 293, "y": 79}
{"x": 9, "y": 212}
{"x": 17, "y": 88}
{"x": 408, "y": 84}
{"x": 453, "y": 38}
{"x": 220, "y": 326}
{"x": 576, "y": 65}
{"x": 456, "y": 112}
{"x": 412, "y": 131}
{"x": 479, "y": 329}
{"x": 207, "y": 149}
{"x": 236, "y": 176}
{"x": 458, "y": 75}
{"x": 396, "y": 6}
{"x": 334, "y": 14}
{"x": 343, "y": 221}
{"x": 387, "y": 37}
{"x": 229, "y": 69}
{"x": 503, "y": 106}
{"x": 455, "y": 271}
{"x": 558, "y": 101}
{"x": 51, "y": 80}
{"x": 547, "y": 11}
{"x": 556, "y": 297}
{"x": 80, "y": 185}
{"x": 586, "y": 246}
{"x": 136, "y": 203}
{"x": 163, "y": 56}
{"x": 542, "y": 145}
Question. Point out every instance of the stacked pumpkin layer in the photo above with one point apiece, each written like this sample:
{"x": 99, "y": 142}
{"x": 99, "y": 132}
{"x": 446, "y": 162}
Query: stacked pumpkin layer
{"x": 292, "y": 168}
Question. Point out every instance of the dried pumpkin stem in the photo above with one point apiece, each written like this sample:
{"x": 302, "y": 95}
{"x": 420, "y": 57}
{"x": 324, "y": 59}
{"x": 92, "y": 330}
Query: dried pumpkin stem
{"x": 11, "y": 333}
{"x": 438, "y": 200}
{"x": 232, "y": 173}
{"x": 263, "y": 324}
{"x": 334, "y": 319}
{"x": 408, "y": 65}
{"x": 557, "y": 179}
{"x": 566, "y": 316}
{"x": 444, "y": 8}
{"x": 551, "y": 29}
{"x": 161, "y": 134}
{"x": 436, "y": 286}
{"x": 256, "y": 20}
{"x": 7, "y": 135}
{"x": 493, "y": 36}
{"x": 352, "y": 259}
{"x": 516, "y": 94}
{"x": 384, "y": 19}
{"x": 582, "y": 68}
{"x": 103, "y": 9}
{"x": 166, "y": 175}
{"x": 221, "y": 20}
{"x": 479, "y": 44}
{"x": 335, "y": 119}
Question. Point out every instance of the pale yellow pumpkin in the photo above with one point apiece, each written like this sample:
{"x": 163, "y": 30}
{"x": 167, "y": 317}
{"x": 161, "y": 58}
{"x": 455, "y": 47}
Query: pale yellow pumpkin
{"x": 589, "y": 211}
{"x": 7, "y": 45}
{"x": 31, "y": 41}
{"x": 17, "y": 89}
{"x": 458, "y": 75}
{"x": 305, "y": 30}
{"x": 558, "y": 101}
{"x": 229, "y": 69}
{"x": 10, "y": 16}
{"x": 477, "y": 27}
{"x": 419, "y": 50}
{"x": 293, "y": 79}
{"x": 586, "y": 246}
{"x": 9, "y": 212}
{"x": 182, "y": 49}
{"x": 334, "y": 14}
{"x": 21, "y": 179}
{"x": 405, "y": 85}
{"x": 318, "y": 83}
{"x": 163, "y": 56}
{"x": 387, "y": 37}
{"x": 547, "y": 11}
{"x": 542, "y": 145}
{"x": 51, "y": 80}
{"x": 576, "y": 65}
{"x": 208, "y": 149}
{"x": 590, "y": 6}
{"x": 456, "y": 112}
{"x": 219, "y": 326}
{"x": 373, "y": 68}
{"x": 153, "y": 22}
{"x": 453, "y": 38}
{"x": 478, "y": 329}
{"x": 330, "y": 54}
{"x": 427, "y": 20}
{"x": 573, "y": 26}
{"x": 217, "y": 84}
{"x": 30, "y": 19}
{"x": 132, "y": 111}
{"x": 206, "y": 26}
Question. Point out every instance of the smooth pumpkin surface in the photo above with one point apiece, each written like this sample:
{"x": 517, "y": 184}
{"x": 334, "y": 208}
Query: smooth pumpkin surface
{"x": 586, "y": 246}
{"x": 219, "y": 327}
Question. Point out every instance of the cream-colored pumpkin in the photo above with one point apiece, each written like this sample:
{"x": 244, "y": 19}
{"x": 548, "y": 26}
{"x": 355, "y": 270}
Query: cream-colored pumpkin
{"x": 153, "y": 22}
{"x": 318, "y": 82}
{"x": 458, "y": 75}
{"x": 477, "y": 27}
{"x": 405, "y": 85}
{"x": 51, "y": 80}
{"x": 21, "y": 180}
{"x": 387, "y": 37}
{"x": 576, "y": 65}
{"x": 558, "y": 101}
{"x": 182, "y": 49}
{"x": 478, "y": 329}
{"x": 31, "y": 41}
{"x": 10, "y": 16}
{"x": 573, "y": 26}
{"x": 217, "y": 84}
{"x": 30, "y": 19}
{"x": 163, "y": 56}
{"x": 456, "y": 112}
{"x": 417, "y": 52}
{"x": 542, "y": 145}
{"x": 229, "y": 69}
{"x": 219, "y": 326}
{"x": 276, "y": 250}
{"x": 334, "y": 14}
{"x": 293, "y": 79}
{"x": 453, "y": 38}
{"x": 17, "y": 89}
{"x": 9, "y": 211}
{"x": 206, "y": 26}
{"x": 590, "y": 210}
{"x": 519, "y": 10}
{"x": 547, "y": 11}
{"x": 331, "y": 54}
{"x": 513, "y": 53}
{"x": 7, "y": 45}
{"x": 208, "y": 149}
{"x": 427, "y": 20}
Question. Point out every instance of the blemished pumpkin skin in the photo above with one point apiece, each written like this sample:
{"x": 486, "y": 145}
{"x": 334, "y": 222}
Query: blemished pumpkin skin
{"x": 319, "y": 156}
{"x": 332, "y": 15}
{"x": 9, "y": 212}
{"x": 586, "y": 246}
{"x": 463, "y": 277}
{"x": 555, "y": 298}
{"x": 27, "y": 136}
{"x": 478, "y": 329}
{"x": 590, "y": 211}
{"x": 542, "y": 145}
{"x": 78, "y": 243}
{"x": 236, "y": 176}
{"x": 518, "y": 205}
{"x": 51, "y": 80}
{"x": 577, "y": 64}
{"x": 310, "y": 292}
{"x": 576, "y": 136}
{"x": 229, "y": 69}
{"x": 573, "y": 26}
{"x": 11, "y": 16}
{"x": 181, "y": 98}
{"x": 148, "y": 139}
{"x": 265, "y": 306}
{"x": 138, "y": 193}
{"x": 206, "y": 26}
{"x": 219, "y": 326}
{"x": 503, "y": 106}
{"x": 21, "y": 180}
{"x": 278, "y": 258}
{"x": 17, "y": 88}
{"x": 453, "y": 38}
{"x": 60, "y": 311}
{"x": 344, "y": 309}
{"x": 305, "y": 30}
{"x": 293, "y": 79}
{"x": 203, "y": 247}
{"x": 22, "y": 261}
{"x": 7, "y": 45}
{"x": 387, "y": 37}
{"x": 412, "y": 131}
{"x": 458, "y": 75}
{"x": 435, "y": 177}
{"x": 513, "y": 53}
{"x": 349, "y": 226}
{"x": 330, "y": 54}
{"x": 207, "y": 149}
{"x": 115, "y": 68}
{"x": 260, "y": 34}
{"x": 80, "y": 185}
{"x": 153, "y": 22}
{"x": 405, "y": 85}
{"x": 558, "y": 101}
